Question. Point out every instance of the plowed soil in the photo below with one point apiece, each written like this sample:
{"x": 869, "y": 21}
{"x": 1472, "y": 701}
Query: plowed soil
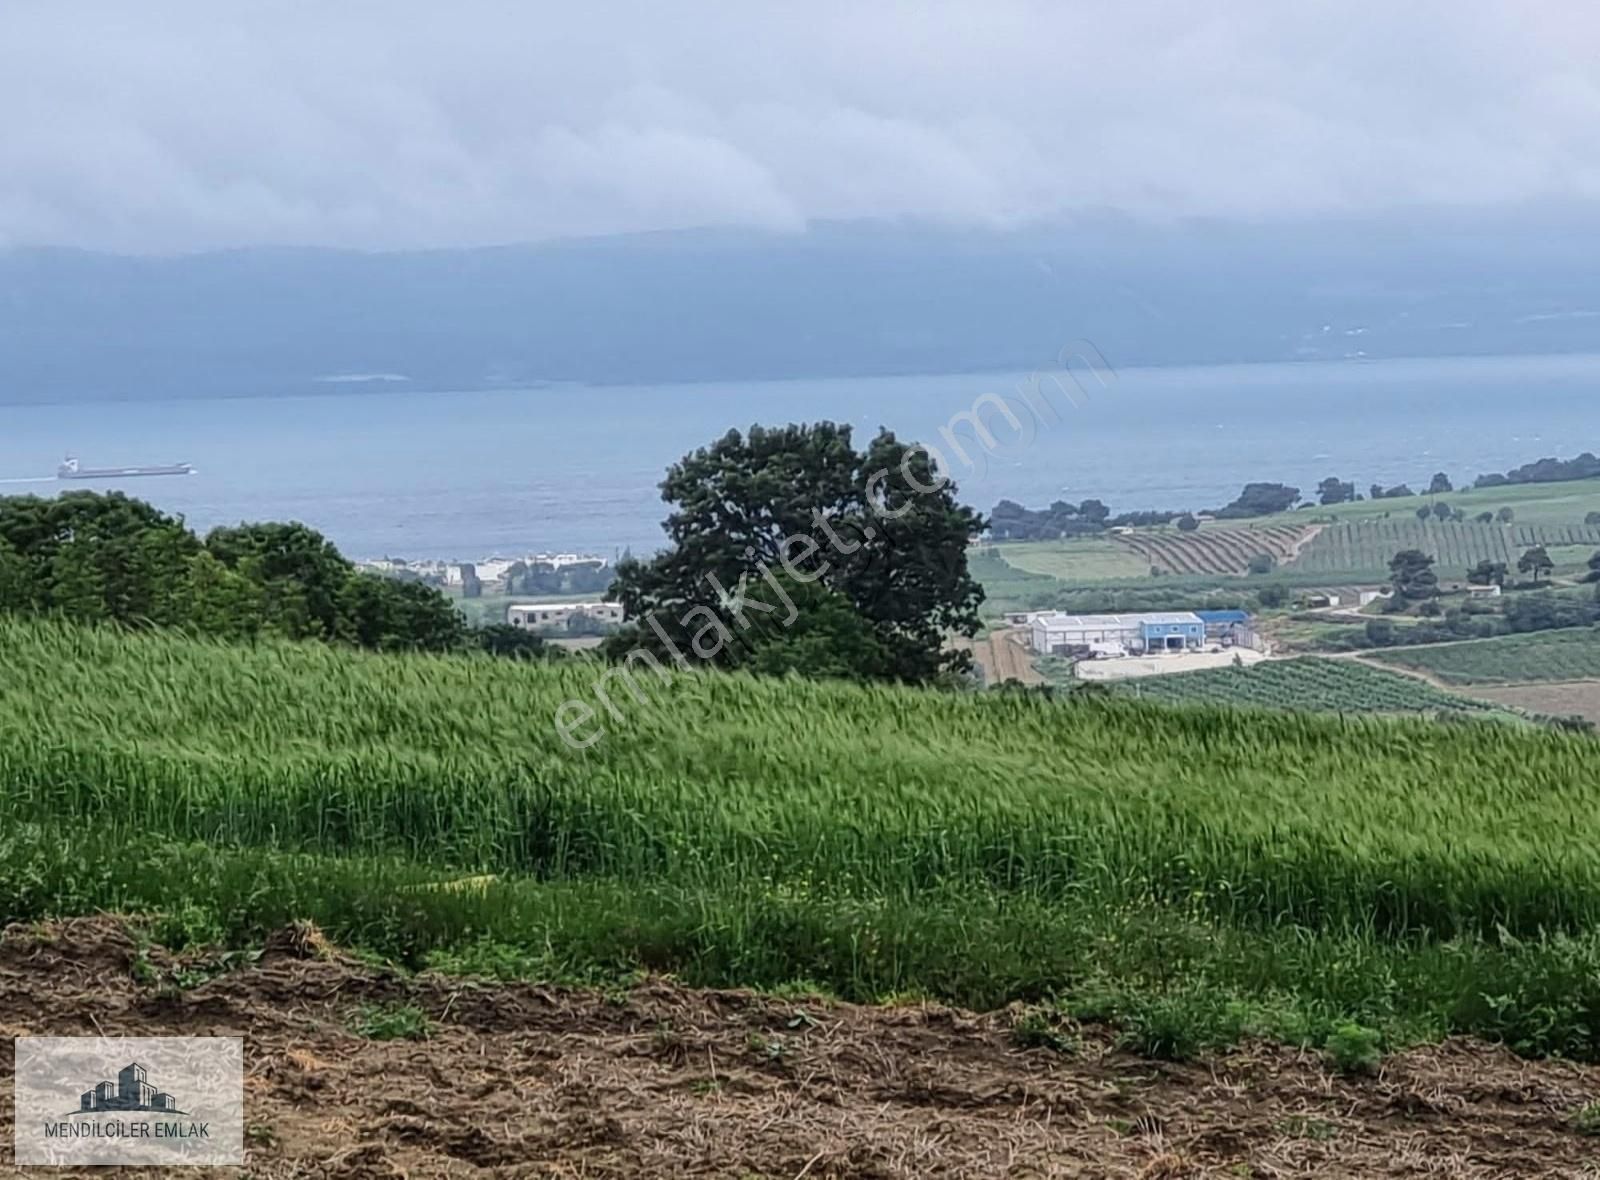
{"x": 522, "y": 1080}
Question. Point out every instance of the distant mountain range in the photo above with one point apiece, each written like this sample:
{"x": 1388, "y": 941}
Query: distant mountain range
{"x": 838, "y": 300}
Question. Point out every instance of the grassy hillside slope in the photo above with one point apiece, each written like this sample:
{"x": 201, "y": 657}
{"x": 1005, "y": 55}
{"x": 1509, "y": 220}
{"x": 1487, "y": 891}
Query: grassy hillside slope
{"x": 1208, "y": 871}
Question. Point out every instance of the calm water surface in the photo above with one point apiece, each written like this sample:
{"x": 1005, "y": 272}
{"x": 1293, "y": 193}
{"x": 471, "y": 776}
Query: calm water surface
{"x": 465, "y": 475}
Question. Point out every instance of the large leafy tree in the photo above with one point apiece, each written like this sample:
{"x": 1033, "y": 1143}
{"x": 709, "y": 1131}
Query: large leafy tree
{"x": 1411, "y": 572}
{"x": 1334, "y": 490}
{"x": 879, "y": 532}
{"x": 300, "y": 572}
{"x": 390, "y": 615}
{"x": 90, "y": 556}
{"x": 1487, "y": 573}
{"x": 1536, "y": 561}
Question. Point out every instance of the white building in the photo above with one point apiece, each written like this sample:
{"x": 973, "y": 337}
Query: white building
{"x": 540, "y": 615}
{"x": 1057, "y": 633}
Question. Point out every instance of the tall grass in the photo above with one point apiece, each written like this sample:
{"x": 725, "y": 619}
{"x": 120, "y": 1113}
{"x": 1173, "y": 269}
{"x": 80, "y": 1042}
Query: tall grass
{"x": 875, "y": 837}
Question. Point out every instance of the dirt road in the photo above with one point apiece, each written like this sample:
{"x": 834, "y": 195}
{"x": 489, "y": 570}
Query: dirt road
{"x": 521, "y": 1080}
{"x": 1003, "y": 654}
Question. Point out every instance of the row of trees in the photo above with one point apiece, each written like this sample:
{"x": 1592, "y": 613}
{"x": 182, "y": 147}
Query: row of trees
{"x": 96, "y": 557}
{"x": 578, "y": 579}
{"x": 1412, "y": 575}
{"x": 1442, "y": 511}
{"x": 1013, "y": 522}
{"x": 1010, "y": 521}
{"x": 1415, "y": 582}
{"x": 1584, "y": 466}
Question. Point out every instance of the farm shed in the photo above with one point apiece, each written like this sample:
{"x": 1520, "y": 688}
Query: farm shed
{"x": 1058, "y": 632}
{"x": 534, "y": 615}
{"x": 1222, "y": 622}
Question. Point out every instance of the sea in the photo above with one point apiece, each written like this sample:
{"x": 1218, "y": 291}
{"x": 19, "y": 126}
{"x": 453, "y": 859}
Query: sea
{"x": 468, "y": 475}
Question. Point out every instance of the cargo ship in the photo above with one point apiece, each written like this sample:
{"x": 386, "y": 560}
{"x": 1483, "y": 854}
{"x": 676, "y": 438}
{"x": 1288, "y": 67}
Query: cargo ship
{"x": 70, "y": 469}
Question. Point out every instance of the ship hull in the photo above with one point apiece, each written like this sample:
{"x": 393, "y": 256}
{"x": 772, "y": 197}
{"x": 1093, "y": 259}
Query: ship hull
{"x": 125, "y": 472}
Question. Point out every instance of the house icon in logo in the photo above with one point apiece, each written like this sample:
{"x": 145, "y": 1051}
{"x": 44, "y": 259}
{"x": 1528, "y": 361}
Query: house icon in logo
{"x": 133, "y": 1092}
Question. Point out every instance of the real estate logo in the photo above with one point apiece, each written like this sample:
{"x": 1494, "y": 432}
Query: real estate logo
{"x": 130, "y": 1120}
{"x": 132, "y": 1092}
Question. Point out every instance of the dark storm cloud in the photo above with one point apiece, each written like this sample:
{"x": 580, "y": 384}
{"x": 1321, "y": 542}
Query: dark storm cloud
{"x": 159, "y": 126}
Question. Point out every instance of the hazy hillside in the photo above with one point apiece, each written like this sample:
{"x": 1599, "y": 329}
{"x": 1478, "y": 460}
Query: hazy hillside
{"x": 838, "y": 300}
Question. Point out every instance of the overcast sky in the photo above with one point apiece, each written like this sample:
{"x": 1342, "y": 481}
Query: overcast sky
{"x": 159, "y": 126}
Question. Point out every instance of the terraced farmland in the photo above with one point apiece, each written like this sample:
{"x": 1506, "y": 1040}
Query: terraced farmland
{"x": 1364, "y": 547}
{"x": 1308, "y": 684}
{"x": 1567, "y": 654}
{"x": 1211, "y": 550}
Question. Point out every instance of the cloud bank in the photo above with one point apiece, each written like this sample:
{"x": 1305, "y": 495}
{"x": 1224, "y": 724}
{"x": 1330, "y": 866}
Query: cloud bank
{"x": 182, "y": 125}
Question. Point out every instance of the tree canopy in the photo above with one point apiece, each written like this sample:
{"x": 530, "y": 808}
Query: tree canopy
{"x": 876, "y": 536}
{"x": 1487, "y": 573}
{"x": 1334, "y": 490}
{"x": 1411, "y": 572}
{"x": 105, "y": 557}
{"x": 1260, "y": 499}
{"x": 1536, "y": 561}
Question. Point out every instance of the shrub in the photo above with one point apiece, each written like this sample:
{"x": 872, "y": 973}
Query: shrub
{"x": 1180, "y": 1026}
{"x": 1272, "y": 597}
{"x": 1354, "y": 1048}
{"x": 1040, "y": 1028}
{"x": 1586, "y": 1119}
{"x": 189, "y": 925}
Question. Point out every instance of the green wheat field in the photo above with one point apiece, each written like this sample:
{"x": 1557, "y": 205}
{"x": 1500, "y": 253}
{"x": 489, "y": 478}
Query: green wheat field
{"x": 1201, "y": 873}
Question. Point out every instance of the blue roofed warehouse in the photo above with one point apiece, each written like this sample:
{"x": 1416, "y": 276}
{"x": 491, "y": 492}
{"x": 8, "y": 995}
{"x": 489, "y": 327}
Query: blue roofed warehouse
{"x": 1177, "y": 631}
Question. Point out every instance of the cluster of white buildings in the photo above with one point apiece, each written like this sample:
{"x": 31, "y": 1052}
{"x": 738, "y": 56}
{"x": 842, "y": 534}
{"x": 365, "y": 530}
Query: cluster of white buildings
{"x": 488, "y": 570}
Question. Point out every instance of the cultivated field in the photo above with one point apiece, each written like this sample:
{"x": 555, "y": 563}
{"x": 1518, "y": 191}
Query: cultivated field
{"x": 1364, "y": 547}
{"x": 1342, "y": 544}
{"x": 1563, "y": 503}
{"x": 1307, "y": 683}
{"x": 1189, "y": 876}
{"x": 651, "y": 1079}
{"x": 1214, "y": 549}
{"x": 1571, "y": 653}
{"x": 1083, "y": 559}
{"x": 1573, "y": 698}
{"x": 1008, "y": 587}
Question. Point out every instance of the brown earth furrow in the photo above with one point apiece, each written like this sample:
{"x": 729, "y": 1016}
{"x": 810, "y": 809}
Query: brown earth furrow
{"x": 521, "y": 1080}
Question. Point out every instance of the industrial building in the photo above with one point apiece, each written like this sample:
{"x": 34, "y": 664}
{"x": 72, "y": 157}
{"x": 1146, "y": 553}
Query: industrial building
{"x": 1227, "y": 626}
{"x": 1058, "y": 633}
{"x": 540, "y": 615}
